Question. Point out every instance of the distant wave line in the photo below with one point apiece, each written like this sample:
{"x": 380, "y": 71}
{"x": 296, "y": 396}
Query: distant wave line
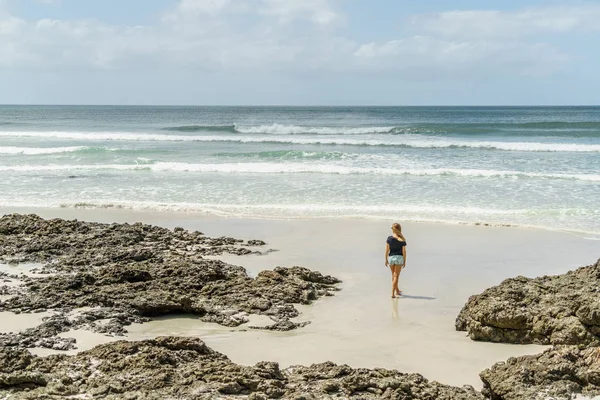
{"x": 296, "y": 168}
{"x": 560, "y": 128}
{"x": 201, "y": 128}
{"x": 293, "y": 155}
{"x": 40, "y": 150}
{"x": 283, "y": 129}
{"x": 35, "y": 151}
{"x": 407, "y": 142}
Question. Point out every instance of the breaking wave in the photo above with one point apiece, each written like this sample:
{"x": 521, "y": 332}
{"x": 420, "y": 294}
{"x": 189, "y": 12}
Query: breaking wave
{"x": 544, "y": 128}
{"x": 295, "y": 168}
{"x": 415, "y": 141}
{"x": 41, "y": 150}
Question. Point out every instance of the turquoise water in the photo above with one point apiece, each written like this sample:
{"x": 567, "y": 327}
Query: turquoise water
{"x": 529, "y": 166}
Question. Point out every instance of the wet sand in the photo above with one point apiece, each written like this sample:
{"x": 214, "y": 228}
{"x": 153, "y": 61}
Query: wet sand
{"x": 361, "y": 325}
{"x": 11, "y": 322}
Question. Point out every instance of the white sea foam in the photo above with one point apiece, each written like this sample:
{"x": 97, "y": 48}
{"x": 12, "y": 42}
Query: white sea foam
{"x": 344, "y": 170}
{"x": 67, "y": 167}
{"x": 245, "y": 209}
{"x": 96, "y": 136}
{"x": 280, "y": 129}
{"x": 414, "y": 141}
{"x": 40, "y": 150}
{"x": 295, "y": 168}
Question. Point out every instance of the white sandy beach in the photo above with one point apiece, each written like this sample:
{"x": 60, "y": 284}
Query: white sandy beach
{"x": 361, "y": 325}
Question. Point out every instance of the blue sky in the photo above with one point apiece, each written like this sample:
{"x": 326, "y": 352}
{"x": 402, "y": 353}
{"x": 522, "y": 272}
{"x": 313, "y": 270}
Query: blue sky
{"x": 299, "y": 52}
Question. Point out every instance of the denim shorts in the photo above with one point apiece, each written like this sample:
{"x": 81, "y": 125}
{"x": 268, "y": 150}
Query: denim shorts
{"x": 396, "y": 260}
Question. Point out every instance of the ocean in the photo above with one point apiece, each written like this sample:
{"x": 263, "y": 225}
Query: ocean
{"x": 521, "y": 166}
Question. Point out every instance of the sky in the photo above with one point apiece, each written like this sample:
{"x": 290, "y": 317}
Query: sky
{"x": 300, "y": 52}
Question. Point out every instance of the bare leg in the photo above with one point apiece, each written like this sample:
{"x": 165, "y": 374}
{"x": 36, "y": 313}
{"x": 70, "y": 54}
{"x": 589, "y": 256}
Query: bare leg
{"x": 398, "y": 269}
{"x": 393, "y": 289}
{"x": 395, "y": 276}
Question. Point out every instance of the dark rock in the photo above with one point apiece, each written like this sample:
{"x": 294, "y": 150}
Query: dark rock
{"x": 563, "y": 309}
{"x": 185, "y": 368}
{"x": 282, "y": 325}
{"x": 43, "y": 335}
{"x": 127, "y": 273}
{"x": 255, "y": 242}
{"x": 22, "y": 380}
{"x": 559, "y": 373}
{"x": 12, "y": 359}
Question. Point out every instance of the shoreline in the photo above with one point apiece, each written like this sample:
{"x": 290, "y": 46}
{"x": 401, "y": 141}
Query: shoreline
{"x": 165, "y": 211}
{"x": 360, "y": 326}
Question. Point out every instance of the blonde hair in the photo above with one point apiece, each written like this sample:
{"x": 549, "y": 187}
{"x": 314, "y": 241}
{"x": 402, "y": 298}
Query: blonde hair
{"x": 397, "y": 229}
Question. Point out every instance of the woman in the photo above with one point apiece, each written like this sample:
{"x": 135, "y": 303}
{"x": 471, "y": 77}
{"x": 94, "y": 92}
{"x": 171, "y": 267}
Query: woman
{"x": 395, "y": 256}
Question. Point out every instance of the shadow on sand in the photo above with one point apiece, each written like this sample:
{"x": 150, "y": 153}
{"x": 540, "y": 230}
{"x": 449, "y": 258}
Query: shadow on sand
{"x": 408, "y": 296}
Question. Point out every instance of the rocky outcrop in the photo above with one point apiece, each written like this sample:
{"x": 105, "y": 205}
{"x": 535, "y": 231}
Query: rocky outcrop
{"x": 563, "y": 309}
{"x": 559, "y": 373}
{"x": 118, "y": 274}
{"x": 185, "y": 368}
{"x": 76, "y": 246}
{"x": 103, "y": 277}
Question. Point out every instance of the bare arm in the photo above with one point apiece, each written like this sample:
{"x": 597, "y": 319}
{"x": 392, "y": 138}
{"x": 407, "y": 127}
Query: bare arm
{"x": 404, "y": 255}
{"x": 387, "y": 252}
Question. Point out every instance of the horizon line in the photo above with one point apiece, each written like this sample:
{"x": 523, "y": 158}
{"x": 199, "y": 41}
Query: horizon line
{"x": 291, "y": 105}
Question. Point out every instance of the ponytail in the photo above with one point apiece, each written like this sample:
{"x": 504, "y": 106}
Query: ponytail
{"x": 397, "y": 229}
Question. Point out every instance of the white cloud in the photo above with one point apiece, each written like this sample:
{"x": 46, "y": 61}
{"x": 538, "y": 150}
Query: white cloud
{"x": 288, "y": 35}
{"x": 11, "y": 26}
{"x": 319, "y": 12}
{"x": 189, "y": 9}
{"x": 502, "y": 24}
{"x": 482, "y": 56}
{"x": 202, "y": 34}
{"x": 211, "y": 7}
